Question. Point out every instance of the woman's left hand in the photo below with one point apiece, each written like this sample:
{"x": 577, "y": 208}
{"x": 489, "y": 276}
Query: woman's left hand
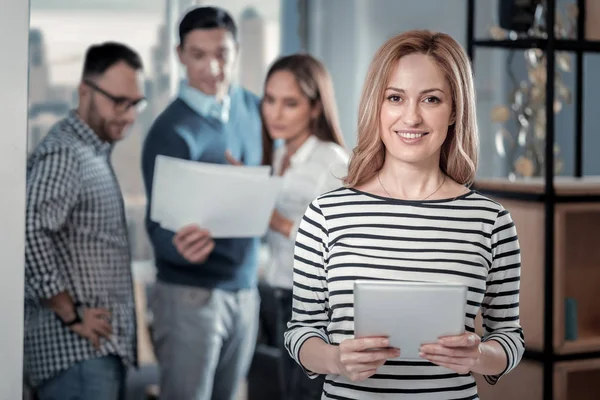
{"x": 231, "y": 159}
{"x": 281, "y": 224}
{"x": 458, "y": 353}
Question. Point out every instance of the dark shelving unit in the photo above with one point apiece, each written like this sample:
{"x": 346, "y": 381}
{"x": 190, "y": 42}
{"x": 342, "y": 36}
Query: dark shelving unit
{"x": 552, "y": 212}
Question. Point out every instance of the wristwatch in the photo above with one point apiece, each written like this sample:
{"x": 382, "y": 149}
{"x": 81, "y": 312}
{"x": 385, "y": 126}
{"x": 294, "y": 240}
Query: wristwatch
{"x": 76, "y": 320}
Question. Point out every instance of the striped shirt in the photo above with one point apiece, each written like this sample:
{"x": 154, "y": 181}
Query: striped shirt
{"x": 76, "y": 240}
{"x": 348, "y": 234}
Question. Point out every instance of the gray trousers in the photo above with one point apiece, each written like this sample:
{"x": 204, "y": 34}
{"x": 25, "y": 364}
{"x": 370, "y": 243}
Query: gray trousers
{"x": 203, "y": 339}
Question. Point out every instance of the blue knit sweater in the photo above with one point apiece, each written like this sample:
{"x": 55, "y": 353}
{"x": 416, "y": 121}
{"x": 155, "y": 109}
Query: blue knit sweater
{"x": 181, "y": 131}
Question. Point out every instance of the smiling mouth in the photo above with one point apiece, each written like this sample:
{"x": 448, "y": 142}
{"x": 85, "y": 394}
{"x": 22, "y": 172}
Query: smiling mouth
{"x": 407, "y": 135}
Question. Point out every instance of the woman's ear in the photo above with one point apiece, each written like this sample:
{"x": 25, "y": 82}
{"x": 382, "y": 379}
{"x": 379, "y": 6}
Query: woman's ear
{"x": 452, "y": 118}
{"x": 317, "y": 109}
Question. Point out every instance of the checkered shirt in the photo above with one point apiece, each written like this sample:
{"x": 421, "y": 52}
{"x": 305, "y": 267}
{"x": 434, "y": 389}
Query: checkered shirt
{"x": 76, "y": 240}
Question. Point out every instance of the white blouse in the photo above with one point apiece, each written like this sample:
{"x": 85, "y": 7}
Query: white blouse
{"x": 317, "y": 167}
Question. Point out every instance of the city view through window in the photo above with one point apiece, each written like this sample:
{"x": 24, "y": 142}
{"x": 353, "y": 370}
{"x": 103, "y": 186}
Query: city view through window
{"x": 60, "y": 34}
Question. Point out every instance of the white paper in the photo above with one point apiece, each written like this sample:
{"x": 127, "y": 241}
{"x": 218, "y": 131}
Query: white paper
{"x": 167, "y": 168}
{"x": 172, "y": 162}
{"x": 229, "y": 201}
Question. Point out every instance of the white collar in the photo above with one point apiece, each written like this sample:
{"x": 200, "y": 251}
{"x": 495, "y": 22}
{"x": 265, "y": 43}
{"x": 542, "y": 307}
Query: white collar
{"x": 305, "y": 150}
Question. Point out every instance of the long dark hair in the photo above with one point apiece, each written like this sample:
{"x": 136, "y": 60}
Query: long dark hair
{"x": 315, "y": 82}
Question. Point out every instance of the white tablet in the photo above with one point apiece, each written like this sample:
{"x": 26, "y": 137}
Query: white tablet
{"x": 409, "y": 313}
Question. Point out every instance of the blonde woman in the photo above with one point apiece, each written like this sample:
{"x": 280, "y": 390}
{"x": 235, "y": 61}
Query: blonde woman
{"x": 406, "y": 213}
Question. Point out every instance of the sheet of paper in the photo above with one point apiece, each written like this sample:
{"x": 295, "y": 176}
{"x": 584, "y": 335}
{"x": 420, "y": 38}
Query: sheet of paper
{"x": 177, "y": 163}
{"x": 167, "y": 168}
{"x": 229, "y": 201}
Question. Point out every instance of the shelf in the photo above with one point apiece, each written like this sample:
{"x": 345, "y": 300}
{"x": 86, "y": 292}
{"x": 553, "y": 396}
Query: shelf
{"x": 577, "y": 275}
{"x": 576, "y": 270}
{"x": 522, "y": 383}
{"x": 512, "y": 44}
{"x": 567, "y": 189}
{"x": 577, "y": 380}
{"x": 529, "y": 221}
{"x": 591, "y": 46}
{"x": 587, "y": 341}
{"x": 572, "y": 369}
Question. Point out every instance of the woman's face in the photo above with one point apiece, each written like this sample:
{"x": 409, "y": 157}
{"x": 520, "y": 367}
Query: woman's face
{"x": 416, "y": 111}
{"x": 286, "y": 111}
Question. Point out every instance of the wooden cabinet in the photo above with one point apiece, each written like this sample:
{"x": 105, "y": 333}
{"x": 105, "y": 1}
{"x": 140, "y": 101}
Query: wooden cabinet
{"x": 576, "y": 270}
{"x": 573, "y": 380}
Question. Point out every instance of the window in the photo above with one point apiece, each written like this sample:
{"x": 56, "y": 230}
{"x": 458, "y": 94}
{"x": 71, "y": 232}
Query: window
{"x": 61, "y": 32}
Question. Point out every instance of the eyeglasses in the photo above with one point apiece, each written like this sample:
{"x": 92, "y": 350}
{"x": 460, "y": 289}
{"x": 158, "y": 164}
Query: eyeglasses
{"x": 122, "y": 104}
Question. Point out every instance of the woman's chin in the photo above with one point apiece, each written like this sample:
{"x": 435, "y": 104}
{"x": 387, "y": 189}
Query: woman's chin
{"x": 410, "y": 157}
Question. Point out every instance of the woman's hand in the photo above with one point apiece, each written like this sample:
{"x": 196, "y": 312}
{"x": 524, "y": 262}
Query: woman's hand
{"x": 459, "y": 353}
{"x": 281, "y": 224}
{"x": 231, "y": 159}
{"x": 358, "y": 359}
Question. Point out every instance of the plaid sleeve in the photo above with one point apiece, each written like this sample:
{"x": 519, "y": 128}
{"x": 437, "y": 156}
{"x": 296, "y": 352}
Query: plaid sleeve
{"x": 53, "y": 187}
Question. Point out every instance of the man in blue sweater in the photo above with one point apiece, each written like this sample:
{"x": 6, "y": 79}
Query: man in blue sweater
{"x": 205, "y": 303}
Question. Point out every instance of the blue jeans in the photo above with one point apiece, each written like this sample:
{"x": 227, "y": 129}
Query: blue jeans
{"x": 100, "y": 378}
{"x": 203, "y": 339}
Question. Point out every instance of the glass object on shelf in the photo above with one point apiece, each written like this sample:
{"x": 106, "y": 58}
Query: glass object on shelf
{"x": 570, "y": 318}
{"x": 517, "y": 16}
{"x": 523, "y": 147}
{"x": 529, "y": 21}
{"x": 592, "y": 14}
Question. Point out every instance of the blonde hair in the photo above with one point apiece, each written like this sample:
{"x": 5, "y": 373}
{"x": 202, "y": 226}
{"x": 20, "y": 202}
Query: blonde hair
{"x": 460, "y": 150}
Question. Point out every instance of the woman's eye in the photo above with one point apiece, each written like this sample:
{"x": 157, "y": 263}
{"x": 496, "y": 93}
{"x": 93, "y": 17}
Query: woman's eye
{"x": 222, "y": 56}
{"x": 432, "y": 99}
{"x": 394, "y": 98}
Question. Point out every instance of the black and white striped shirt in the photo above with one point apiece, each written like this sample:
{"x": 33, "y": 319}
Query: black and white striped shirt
{"x": 76, "y": 240}
{"x": 348, "y": 234}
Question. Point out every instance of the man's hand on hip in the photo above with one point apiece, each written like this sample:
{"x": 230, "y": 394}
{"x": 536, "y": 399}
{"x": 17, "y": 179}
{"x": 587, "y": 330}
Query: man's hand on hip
{"x": 94, "y": 325}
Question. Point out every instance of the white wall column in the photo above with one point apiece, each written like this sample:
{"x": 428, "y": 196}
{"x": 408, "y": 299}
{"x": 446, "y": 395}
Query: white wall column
{"x": 14, "y": 42}
{"x": 336, "y": 35}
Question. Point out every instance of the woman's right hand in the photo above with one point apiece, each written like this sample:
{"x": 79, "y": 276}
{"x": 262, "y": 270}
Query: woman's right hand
{"x": 358, "y": 359}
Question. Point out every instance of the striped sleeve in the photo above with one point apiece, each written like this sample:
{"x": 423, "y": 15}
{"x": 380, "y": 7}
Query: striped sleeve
{"x": 500, "y": 309}
{"x": 310, "y": 304}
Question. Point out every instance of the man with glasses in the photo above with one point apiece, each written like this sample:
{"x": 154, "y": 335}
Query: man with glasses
{"x": 80, "y": 333}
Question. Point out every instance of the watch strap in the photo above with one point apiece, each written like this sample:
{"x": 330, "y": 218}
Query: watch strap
{"x": 74, "y": 321}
